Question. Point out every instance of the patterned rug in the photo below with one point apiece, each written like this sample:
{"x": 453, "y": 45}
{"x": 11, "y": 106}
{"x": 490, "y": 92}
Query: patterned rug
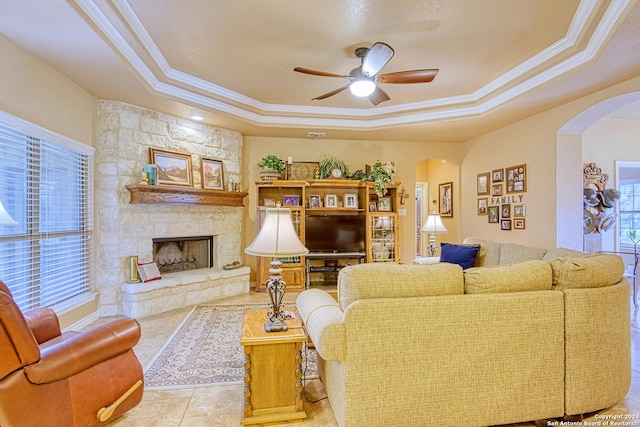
{"x": 205, "y": 350}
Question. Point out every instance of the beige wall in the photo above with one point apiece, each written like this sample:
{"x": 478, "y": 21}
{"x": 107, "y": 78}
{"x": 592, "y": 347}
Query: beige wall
{"x": 531, "y": 141}
{"x": 34, "y": 91}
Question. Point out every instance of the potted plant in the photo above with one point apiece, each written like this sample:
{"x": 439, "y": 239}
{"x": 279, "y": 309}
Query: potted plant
{"x": 380, "y": 178}
{"x": 271, "y": 168}
{"x": 330, "y": 167}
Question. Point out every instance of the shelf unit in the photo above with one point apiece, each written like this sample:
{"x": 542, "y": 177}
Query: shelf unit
{"x": 330, "y": 197}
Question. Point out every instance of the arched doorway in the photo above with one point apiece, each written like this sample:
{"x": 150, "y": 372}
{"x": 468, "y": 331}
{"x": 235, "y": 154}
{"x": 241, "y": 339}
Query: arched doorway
{"x": 569, "y": 168}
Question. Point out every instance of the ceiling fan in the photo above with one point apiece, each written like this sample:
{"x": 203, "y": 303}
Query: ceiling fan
{"x": 363, "y": 79}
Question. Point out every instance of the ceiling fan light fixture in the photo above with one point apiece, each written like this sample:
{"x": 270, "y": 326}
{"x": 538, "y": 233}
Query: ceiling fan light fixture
{"x": 362, "y": 87}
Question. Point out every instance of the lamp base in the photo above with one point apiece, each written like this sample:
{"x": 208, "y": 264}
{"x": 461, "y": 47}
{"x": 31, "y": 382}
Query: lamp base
{"x": 275, "y": 288}
{"x": 433, "y": 248}
{"x": 275, "y": 324}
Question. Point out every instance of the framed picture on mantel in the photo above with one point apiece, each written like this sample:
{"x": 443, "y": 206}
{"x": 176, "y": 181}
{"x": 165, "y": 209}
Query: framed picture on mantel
{"x": 173, "y": 168}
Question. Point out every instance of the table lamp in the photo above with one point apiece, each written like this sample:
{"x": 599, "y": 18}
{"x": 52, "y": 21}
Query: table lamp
{"x": 5, "y": 218}
{"x": 433, "y": 225}
{"x": 276, "y": 238}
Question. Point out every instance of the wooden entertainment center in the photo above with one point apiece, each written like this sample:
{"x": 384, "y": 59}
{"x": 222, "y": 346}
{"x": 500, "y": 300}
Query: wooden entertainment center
{"x": 341, "y": 222}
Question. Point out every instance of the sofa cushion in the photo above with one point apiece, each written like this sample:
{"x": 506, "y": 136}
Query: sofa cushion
{"x": 553, "y": 253}
{"x": 382, "y": 280}
{"x": 489, "y": 253}
{"x": 463, "y": 255}
{"x": 591, "y": 271}
{"x": 512, "y": 252}
{"x": 519, "y": 277}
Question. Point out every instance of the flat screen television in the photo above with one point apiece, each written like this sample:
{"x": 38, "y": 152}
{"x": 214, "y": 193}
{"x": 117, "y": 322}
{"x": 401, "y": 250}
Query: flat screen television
{"x": 334, "y": 233}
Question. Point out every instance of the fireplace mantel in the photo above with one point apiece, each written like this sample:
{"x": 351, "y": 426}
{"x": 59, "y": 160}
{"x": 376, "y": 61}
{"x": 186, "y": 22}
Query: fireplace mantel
{"x": 158, "y": 194}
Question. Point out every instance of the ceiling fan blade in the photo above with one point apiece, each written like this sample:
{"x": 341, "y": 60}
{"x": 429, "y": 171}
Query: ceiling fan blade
{"x": 413, "y": 76}
{"x": 378, "y": 96}
{"x": 316, "y": 72}
{"x": 333, "y": 92}
{"x": 377, "y": 57}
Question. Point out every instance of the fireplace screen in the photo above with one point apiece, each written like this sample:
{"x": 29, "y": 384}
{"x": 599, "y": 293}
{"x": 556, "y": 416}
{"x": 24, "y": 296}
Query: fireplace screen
{"x": 183, "y": 253}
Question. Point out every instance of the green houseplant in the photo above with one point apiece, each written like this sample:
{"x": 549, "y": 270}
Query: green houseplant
{"x": 328, "y": 164}
{"x": 271, "y": 168}
{"x": 380, "y": 178}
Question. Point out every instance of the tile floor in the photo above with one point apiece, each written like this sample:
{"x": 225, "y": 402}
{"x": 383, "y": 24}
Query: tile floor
{"x": 223, "y": 405}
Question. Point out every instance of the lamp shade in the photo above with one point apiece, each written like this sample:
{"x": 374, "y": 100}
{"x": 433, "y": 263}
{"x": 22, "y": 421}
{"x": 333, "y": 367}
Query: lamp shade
{"x": 277, "y": 237}
{"x": 433, "y": 224}
{"x": 5, "y": 218}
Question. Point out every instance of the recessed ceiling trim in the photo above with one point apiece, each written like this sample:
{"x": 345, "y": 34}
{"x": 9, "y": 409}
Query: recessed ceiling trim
{"x": 252, "y": 110}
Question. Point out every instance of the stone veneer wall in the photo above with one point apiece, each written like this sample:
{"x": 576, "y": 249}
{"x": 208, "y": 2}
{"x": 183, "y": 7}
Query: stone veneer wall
{"x": 125, "y": 134}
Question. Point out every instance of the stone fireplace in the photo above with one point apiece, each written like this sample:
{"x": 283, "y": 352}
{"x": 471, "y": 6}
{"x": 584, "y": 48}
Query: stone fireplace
{"x": 125, "y": 134}
{"x": 183, "y": 253}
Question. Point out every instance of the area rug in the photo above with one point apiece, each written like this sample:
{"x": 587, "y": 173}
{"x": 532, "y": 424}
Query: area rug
{"x": 205, "y": 350}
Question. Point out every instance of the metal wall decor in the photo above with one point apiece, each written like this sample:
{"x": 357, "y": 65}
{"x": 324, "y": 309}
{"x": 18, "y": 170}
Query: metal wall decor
{"x": 597, "y": 200}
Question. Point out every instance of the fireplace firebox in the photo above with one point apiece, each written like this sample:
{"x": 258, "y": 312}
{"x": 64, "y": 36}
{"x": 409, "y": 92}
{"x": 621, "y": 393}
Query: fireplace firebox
{"x": 183, "y": 253}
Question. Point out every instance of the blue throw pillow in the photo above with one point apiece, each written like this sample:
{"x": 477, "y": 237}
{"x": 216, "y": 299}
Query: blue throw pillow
{"x": 463, "y": 255}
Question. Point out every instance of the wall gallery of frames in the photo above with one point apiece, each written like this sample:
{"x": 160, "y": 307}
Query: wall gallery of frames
{"x": 501, "y": 197}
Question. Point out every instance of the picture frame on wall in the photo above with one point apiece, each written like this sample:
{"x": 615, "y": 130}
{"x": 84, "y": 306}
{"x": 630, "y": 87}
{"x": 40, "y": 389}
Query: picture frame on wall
{"x": 497, "y": 175}
{"x": 211, "y": 174}
{"x": 446, "y": 198}
{"x": 493, "y": 214}
{"x": 482, "y": 206}
{"x": 519, "y": 211}
{"x": 516, "y": 179}
{"x": 482, "y": 184}
{"x": 173, "y": 168}
{"x": 519, "y": 223}
{"x": 505, "y": 224}
{"x": 496, "y": 190}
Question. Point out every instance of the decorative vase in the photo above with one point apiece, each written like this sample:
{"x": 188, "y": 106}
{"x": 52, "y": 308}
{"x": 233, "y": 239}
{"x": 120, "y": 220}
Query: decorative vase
{"x": 267, "y": 174}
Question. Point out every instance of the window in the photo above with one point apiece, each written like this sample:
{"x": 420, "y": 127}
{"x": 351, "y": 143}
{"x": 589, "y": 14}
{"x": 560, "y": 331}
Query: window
{"x": 46, "y": 187}
{"x": 629, "y": 213}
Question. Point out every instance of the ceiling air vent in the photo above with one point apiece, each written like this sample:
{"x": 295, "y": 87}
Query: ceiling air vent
{"x": 316, "y": 134}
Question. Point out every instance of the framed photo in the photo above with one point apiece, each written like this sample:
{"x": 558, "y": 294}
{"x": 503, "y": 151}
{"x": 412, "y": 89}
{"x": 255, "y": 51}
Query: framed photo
{"x": 519, "y": 211}
{"x": 482, "y": 206}
{"x": 496, "y": 189}
{"x": 446, "y": 198}
{"x": 516, "y": 179}
{"x": 384, "y": 204}
{"x": 269, "y": 202}
{"x": 497, "y": 175}
{"x": 505, "y": 210}
{"x": 292, "y": 200}
{"x": 301, "y": 171}
{"x": 505, "y": 224}
{"x": 212, "y": 173}
{"x": 493, "y": 214}
{"x": 351, "y": 200}
{"x": 330, "y": 201}
{"x": 519, "y": 224}
{"x": 173, "y": 168}
{"x": 314, "y": 201}
{"x": 373, "y": 207}
{"x": 482, "y": 184}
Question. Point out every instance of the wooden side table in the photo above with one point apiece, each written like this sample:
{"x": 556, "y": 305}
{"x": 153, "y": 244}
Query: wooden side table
{"x": 273, "y": 371}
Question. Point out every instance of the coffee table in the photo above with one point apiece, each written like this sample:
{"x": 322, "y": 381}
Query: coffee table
{"x": 273, "y": 371}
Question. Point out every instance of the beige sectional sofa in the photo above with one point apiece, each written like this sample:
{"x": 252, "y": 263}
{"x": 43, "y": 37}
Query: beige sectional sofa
{"x": 529, "y": 334}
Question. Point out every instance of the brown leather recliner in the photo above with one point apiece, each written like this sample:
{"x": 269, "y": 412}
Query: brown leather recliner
{"x": 49, "y": 378}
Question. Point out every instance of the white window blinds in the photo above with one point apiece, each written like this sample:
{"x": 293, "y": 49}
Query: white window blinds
{"x": 45, "y": 259}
